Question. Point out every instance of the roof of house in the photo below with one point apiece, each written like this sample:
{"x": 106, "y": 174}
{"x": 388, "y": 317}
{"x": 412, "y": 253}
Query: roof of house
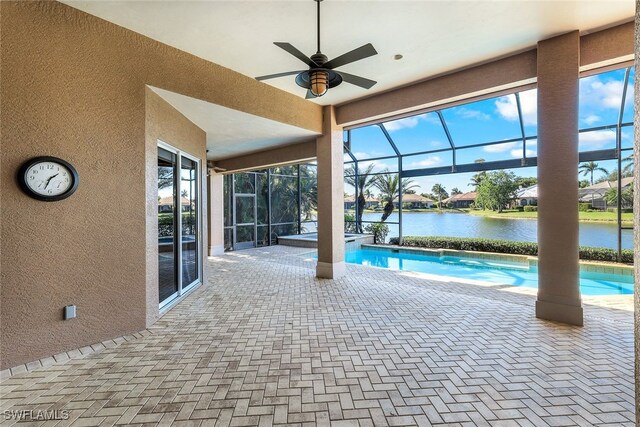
{"x": 168, "y": 201}
{"x": 601, "y": 188}
{"x": 414, "y": 198}
{"x": 529, "y": 192}
{"x": 610, "y": 184}
{"x": 470, "y": 195}
{"x": 352, "y": 199}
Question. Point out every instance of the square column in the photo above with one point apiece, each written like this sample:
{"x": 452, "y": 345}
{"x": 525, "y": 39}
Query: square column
{"x": 216, "y": 214}
{"x": 558, "y": 253}
{"x": 330, "y": 153}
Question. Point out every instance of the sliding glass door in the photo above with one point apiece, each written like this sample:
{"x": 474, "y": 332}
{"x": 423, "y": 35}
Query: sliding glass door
{"x": 179, "y": 231}
{"x": 190, "y": 229}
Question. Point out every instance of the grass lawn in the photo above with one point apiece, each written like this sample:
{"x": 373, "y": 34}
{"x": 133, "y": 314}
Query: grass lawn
{"x": 584, "y": 216}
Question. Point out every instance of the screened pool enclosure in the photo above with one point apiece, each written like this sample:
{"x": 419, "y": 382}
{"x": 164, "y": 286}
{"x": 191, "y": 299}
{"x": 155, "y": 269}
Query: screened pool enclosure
{"x": 489, "y": 134}
{"x": 261, "y": 205}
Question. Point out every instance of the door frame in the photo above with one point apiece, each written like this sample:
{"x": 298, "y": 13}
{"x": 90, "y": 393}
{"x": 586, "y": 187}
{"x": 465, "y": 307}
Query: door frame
{"x": 182, "y": 290}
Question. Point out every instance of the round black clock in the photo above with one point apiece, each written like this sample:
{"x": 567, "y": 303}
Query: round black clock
{"x": 48, "y": 178}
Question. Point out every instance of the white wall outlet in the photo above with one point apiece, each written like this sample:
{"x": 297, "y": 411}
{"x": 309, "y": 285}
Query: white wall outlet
{"x": 69, "y": 312}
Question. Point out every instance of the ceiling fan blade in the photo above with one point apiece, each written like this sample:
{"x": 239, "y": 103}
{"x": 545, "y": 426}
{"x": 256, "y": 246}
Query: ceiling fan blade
{"x": 309, "y": 95}
{"x": 295, "y": 52}
{"x": 355, "y": 55}
{"x": 273, "y": 76}
{"x": 357, "y": 80}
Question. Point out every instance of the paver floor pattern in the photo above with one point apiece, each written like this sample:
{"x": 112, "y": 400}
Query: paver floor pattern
{"x": 264, "y": 342}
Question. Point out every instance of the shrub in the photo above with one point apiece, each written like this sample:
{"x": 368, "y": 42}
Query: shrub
{"x": 506, "y": 247}
{"x": 379, "y": 231}
{"x": 520, "y": 208}
{"x": 584, "y": 207}
{"x": 349, "y": 223}
{"x": 531, "y": 209}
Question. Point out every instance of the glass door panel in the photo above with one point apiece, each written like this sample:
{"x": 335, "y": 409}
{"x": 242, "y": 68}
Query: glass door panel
{"x": 167, "y": 226}
{"x": 189, "y": 217}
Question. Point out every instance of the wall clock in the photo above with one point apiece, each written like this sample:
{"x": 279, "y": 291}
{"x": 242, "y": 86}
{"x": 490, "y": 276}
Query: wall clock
{"x": 48, "y": 178}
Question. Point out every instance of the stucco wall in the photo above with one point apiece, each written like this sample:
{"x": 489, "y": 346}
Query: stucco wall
{"x": 636, "y": 203}
{"x": 165, "y": 123}
{"x": 75, "y": 86}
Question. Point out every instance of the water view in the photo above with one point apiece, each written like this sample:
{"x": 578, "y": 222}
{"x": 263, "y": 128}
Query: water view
{"x": 462, "y": 225}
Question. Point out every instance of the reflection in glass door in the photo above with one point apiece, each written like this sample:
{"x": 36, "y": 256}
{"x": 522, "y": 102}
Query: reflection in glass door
{"x": 189, "y": 202}
{"x": 167, "y": 225}
{"x": 179, "y": 231}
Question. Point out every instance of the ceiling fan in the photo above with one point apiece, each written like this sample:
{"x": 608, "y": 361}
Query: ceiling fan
{"x": 321, "y": 74}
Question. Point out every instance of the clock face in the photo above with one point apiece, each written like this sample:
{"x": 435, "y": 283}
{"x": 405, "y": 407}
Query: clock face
{"x": 48, "y": 178}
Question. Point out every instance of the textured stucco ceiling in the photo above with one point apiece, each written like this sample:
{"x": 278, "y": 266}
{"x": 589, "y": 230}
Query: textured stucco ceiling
{"x": 433, "y": 36}
{"x": 230, "y": 132}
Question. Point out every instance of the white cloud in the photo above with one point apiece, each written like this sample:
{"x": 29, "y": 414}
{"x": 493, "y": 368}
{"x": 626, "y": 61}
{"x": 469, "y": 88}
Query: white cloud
{"x": 411, "y": 122}
{"x": 406, "y": 123}
{"x": 501, "y": 148}
{"x": 597, "y": 139}
{"x": 596, "y": 93}
{"x": 428, "y": 162}
{"x": 467, "y": 113}
{"x": 591, "y": 119}
{"x": 508, "y": 108}
{"x": 518, "y": 153}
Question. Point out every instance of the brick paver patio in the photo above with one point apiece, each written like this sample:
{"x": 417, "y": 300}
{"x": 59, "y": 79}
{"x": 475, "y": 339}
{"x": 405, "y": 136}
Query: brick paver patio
{"x": 264, "y": 342}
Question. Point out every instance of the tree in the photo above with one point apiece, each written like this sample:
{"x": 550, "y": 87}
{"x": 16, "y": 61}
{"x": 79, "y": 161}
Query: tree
{"x": 524, "y": 182}
{"x": 477, "y": 179}
{"x": 496, "y": 190}
{"x": 388, "y": 184}
{"x": 627, "y": 196}
{"x": 628, "y": 168}
{"x": 455, "y": 191}
{"x": 589, "y": 168}
{"x": 583, "y": 183}
{"x": 364, "y": 183}
{"x": 440, "y": 193}
{"x": 308, "y": 192}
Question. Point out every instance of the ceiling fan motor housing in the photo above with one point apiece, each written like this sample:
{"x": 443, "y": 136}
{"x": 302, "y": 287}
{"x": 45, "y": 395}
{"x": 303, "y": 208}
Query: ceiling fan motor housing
{"x": 319, "y": 59}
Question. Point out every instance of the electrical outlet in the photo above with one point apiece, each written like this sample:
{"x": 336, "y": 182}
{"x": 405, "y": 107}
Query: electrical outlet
{"x": 69, "y": 312}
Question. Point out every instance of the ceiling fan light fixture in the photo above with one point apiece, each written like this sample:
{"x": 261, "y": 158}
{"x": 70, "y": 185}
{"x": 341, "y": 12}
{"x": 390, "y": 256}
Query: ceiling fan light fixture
{"x": 321, "y": 75}
{"x": 319, "y": 82}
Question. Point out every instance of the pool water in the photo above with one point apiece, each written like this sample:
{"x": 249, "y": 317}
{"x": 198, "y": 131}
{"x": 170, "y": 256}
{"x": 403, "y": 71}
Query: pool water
{"x": 498, "y": 272}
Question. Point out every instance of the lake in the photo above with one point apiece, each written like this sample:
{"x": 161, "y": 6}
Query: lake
{"x": 526, "y": 230}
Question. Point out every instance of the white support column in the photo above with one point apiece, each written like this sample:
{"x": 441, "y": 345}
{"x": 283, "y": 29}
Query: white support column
{"x": 329, "y": 148}
{"x": 216, "y": 214}
{"x": 558, "y": 266}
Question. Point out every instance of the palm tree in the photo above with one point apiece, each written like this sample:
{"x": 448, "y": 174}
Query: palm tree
{"x": 308, "y": 192}
{"x": 364, "y": 184}
{"x": 477, "y": 179}
{"x": 628, "y": 169}
{"x": 439, "y": 191}
{"x": 589, "y": 168}
{"x": 389, "y": 185}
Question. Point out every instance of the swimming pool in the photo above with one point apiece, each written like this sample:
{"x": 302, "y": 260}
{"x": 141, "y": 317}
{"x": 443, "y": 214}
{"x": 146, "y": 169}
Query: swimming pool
{"x": 484, "y": 270}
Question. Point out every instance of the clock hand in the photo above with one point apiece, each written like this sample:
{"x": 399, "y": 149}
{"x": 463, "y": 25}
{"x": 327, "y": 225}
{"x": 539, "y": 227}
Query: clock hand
{"x": 49, "y": 180}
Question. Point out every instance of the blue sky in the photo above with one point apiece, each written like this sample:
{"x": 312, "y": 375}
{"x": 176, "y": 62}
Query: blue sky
{"x": 490, "y": 120}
